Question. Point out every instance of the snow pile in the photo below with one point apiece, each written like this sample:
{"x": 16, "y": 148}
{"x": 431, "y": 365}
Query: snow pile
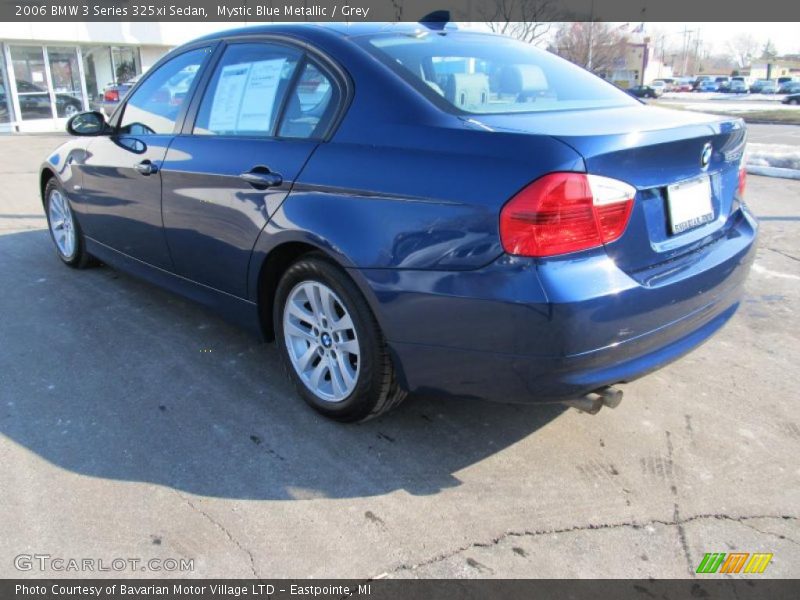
{"x": 773, "y": 160}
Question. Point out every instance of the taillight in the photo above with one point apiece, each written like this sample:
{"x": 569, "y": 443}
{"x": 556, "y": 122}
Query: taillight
{"x": 111, "y": 96}
{"x": 565, "y": 212}
{"x": 742, "y": 182}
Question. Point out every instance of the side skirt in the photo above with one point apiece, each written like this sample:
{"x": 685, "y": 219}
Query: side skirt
{"x": 237, "y": 311}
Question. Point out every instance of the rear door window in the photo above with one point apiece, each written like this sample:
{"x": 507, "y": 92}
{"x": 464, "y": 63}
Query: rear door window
{"x": 247, "y": 91}
{"x": 311, "y": 105}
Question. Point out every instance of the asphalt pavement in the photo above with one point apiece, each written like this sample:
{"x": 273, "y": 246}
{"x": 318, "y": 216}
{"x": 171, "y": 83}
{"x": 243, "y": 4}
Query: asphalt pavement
{"x": 774, "y": 134}
{"x": 135, "y": 424}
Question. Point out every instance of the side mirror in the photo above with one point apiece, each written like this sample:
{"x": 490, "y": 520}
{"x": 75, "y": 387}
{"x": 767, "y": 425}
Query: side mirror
{"x": 87, "y": 123}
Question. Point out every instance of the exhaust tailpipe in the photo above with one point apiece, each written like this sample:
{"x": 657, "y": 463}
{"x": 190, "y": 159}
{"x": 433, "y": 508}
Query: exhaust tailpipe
{"x": 592, "y": 402}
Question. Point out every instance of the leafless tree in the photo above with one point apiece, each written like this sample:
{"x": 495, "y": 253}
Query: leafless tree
{"x": 526, "y": 20}
{"x": 769, "y": 52}
{"x": 743, "y": 47}
{"x": 573, "y": 41}
{"x": 397, "y": 5}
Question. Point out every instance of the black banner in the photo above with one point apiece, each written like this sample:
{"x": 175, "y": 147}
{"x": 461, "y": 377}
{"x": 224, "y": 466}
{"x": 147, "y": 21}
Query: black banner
{"x": 398, "y": 10}
{"x": 397, "y": 589}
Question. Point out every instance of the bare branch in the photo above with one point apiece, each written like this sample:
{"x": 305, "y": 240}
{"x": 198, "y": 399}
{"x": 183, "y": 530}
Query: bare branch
{"x": 525, "y": 20}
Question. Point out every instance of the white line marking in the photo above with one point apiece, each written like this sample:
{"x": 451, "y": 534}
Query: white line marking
{"x": 770, "y": 273}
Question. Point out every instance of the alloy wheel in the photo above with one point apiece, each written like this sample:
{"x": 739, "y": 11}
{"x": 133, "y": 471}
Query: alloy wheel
{"x": 62, "y": 225}
{"x": 321, "y": 340}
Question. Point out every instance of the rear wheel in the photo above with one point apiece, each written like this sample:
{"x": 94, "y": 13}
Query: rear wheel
{"x": 64, "y": 229}
{"x": 331, "y": 344}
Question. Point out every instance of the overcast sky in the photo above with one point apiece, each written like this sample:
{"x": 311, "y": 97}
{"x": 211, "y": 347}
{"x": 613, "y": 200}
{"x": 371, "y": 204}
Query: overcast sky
{"x": 715, "y": 36}
{"x": 785, "y": 36}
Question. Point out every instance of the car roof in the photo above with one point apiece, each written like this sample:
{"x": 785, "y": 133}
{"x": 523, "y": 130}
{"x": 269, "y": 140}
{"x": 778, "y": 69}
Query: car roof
{"x": 314, "y": 30}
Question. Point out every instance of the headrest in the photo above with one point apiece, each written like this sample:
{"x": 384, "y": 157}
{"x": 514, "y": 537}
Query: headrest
{"x": 467, "y": 89}
{"x": 520, "y": 79}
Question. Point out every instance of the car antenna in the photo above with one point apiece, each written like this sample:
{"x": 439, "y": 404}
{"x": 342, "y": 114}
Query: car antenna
{"x": 437, "y": 20}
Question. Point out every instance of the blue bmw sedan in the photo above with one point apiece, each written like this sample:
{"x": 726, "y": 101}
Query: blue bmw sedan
{"x": 413, "y": 208}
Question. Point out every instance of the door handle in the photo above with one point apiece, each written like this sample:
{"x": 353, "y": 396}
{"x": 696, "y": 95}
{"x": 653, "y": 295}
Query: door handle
{"x": 262, "y": 178}
{"x": 146, "y": 167}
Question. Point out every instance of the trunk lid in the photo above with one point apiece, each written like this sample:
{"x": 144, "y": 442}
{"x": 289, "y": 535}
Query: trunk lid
{"x": 651, "y": 149}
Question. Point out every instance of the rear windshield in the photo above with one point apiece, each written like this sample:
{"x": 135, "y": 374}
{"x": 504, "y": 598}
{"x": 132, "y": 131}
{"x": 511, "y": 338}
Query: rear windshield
{"x": 485, "y": 74}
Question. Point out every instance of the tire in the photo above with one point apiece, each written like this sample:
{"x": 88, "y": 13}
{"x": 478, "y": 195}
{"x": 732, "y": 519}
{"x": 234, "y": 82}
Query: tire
{"x": 61, "y": 220}
{"x": 352, "y": 366}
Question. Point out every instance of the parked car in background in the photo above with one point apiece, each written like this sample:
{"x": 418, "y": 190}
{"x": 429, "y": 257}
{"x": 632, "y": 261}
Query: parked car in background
{"x": 743, "y": 79}
{"x": 645, "y": 91}
{"x": 792, "y": 99}
{"x": 708, "y": 86}
{"x": 789, "y": 87}
{"x": 659, "y": 85}
{"x": 310, "y": 184}
{"x": 113, "y": 94}
{"x": 737, "y": 86}
{"x": 723, "y": 83}
{"x": 770, "y": 87}
{"x": 757, "y": 86}
{"x": 684, "y": 84}
{"x": 698, "y": 81}
{"x": 34, "y": 102}
{"x": 669, "y": 83}
{"x": 786, "y": 79}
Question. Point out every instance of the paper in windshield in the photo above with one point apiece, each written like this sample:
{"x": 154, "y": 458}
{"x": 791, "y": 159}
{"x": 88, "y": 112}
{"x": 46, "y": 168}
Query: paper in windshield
{"x": 245, "y": 96}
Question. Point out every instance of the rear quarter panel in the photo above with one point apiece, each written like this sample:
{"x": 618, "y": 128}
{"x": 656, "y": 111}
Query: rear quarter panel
{"x": 421, "y": 198}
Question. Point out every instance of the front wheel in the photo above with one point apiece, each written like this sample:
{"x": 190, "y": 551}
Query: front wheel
{"x": 331, "y": 344}
{"x": 64, "y": 229}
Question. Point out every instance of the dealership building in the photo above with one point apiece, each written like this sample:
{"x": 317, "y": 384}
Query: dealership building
{"x": 49, "y": 71}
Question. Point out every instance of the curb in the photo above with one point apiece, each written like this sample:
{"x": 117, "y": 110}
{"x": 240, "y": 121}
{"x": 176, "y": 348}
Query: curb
{"x": 774, "y": 172}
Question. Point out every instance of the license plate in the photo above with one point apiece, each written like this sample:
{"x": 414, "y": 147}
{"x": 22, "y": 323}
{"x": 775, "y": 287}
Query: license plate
{"x": 689, "y": 204}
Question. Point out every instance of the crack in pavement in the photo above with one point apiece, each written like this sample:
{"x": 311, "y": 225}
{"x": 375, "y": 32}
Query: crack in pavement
{"x": 782, "y": 253}
{"x": 780, "y": 536}
{"x": 224, "y": 530}
{"x": 676, "y": 515}
{"x": 590, "y": 527}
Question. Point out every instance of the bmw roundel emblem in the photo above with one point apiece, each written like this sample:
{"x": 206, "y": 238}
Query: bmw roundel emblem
{"x": 705, "y": 156}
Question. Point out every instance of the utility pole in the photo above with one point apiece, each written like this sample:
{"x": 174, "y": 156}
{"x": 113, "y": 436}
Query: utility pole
{"x": 591, "y": 37}
{"x": 685, "y": 33}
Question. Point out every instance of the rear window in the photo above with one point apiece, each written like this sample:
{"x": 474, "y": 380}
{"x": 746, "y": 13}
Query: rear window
{"x": 484, "y": 74}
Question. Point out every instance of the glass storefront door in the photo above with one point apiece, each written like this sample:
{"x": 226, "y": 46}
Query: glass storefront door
{"x": 42, "y": 86}
{"x": 5, "y": 97}
{"x": 32, "y": 83}
{"x": 99, "y": 72}
{"x": 48, "y": 86}
{"x": 66, "y": 77}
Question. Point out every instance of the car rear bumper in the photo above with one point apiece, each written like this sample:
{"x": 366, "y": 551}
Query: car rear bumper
{"x": 520, "y": 331}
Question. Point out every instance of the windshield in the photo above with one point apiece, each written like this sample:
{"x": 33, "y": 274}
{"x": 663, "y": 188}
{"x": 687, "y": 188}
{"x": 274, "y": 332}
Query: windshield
{"x": 485, "y": 74}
